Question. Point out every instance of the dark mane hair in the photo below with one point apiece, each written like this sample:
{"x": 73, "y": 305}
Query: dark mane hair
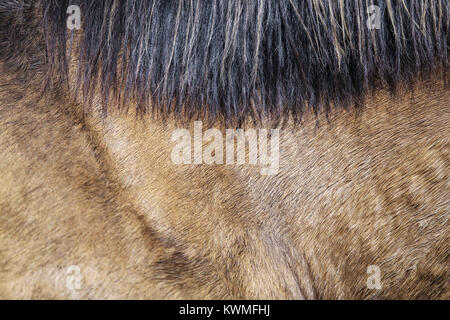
{"x": 238, "y": 59}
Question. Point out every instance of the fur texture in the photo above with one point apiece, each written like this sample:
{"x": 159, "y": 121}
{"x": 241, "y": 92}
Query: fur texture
{"x": 100, "y": 192}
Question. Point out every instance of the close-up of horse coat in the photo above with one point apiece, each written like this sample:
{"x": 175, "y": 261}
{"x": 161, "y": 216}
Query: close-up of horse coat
{"x": 224, "y": 149}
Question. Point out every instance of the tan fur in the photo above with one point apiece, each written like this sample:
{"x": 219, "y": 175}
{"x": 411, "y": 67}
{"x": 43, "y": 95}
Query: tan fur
{"x": 103, "y": 194}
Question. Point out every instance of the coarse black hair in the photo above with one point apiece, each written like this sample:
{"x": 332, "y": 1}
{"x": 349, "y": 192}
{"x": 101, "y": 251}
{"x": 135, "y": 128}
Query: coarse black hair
{"x": 237, "y": 59}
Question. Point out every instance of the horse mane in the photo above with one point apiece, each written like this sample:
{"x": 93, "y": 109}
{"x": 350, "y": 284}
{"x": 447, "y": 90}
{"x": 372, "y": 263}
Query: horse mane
{"x": 236, "y": 59}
